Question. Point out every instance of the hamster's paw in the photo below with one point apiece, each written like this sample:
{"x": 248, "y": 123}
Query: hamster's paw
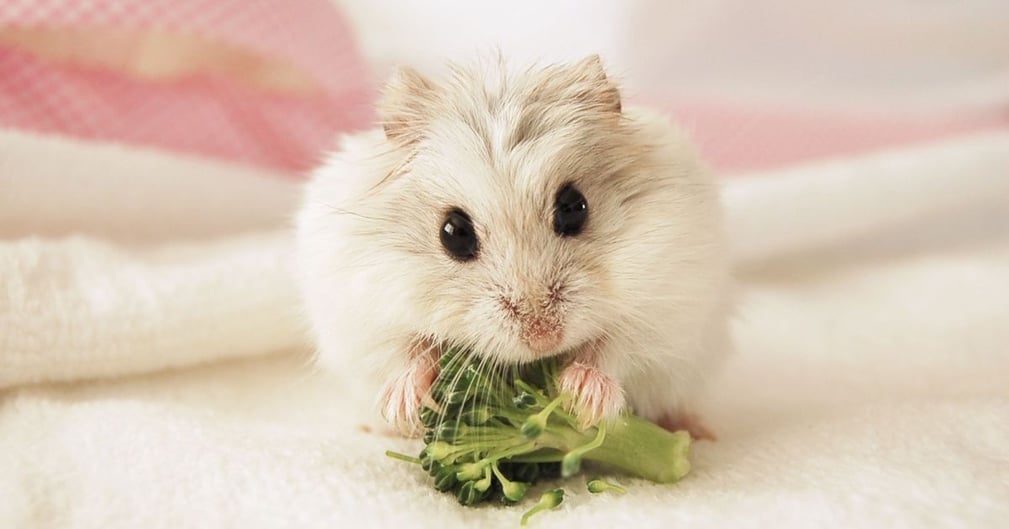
{"x": 407, "y": 391}
{"x": 400, "y": 404}
{"x": 598, "y": 396}
{"x": 680, "y": 420}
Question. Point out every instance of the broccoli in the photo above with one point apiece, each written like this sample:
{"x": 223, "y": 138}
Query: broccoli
{"x": 491, "y": 433}
{"x": 549, "y": 500}
{"x": 597, "y": 485}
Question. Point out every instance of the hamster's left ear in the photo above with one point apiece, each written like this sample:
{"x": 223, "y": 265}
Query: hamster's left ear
{"x": 591, "y": 84}
{"x": 405, "y": 105}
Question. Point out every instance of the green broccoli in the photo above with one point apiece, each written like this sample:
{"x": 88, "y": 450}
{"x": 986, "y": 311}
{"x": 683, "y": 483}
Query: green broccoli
{"x": 597, "y": 485}
{"x": 491, "y": 433}
{"x": 549, "y": 500}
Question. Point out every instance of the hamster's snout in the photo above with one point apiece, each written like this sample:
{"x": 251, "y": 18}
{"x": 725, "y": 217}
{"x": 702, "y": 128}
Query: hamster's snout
{"x": 540, "y": 318}
{"x": 543, "y": 334}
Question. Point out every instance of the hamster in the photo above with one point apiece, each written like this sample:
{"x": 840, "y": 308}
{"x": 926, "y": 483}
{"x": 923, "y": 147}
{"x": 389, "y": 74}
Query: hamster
{"x": 522, "y": 213}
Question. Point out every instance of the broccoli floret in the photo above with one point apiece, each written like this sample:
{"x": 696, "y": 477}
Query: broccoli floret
{"x": 549, "y": 500}
{"x": 597, "y": 485}
{"x": 491, "y": 433}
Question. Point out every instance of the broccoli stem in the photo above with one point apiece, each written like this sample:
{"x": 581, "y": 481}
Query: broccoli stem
{"x": 572, "y": 461}
{"x": 402, "y": 457}
{"x": 549, "y": 500}
{"x": 644, "y": 449}
{"x": 632, "y": 445}
{"x": 597, "y": 485}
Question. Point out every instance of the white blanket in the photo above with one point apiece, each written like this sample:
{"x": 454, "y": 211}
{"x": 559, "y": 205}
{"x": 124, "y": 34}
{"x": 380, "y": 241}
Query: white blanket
{"x": 869, "y": 389}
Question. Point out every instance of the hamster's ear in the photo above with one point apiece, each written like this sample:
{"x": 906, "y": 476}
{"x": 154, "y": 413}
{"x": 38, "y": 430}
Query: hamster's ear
{"x": 592, "y": 86}
{"x": 404, "y": 105}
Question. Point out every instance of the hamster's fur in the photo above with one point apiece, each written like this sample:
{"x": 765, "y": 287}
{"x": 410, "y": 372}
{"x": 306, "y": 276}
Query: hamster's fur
{"x": 640, "y": 298}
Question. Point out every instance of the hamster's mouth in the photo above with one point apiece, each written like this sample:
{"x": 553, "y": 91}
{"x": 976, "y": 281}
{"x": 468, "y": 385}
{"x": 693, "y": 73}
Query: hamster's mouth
{"x": 512, "y": 355}
{"x": 588, "y": 349}
{"x": 583, "y": 350}
{"x": 519, "y": 352}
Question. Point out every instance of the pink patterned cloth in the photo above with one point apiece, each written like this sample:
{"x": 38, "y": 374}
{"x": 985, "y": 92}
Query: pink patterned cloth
{"x": 205, "y": 113}
{"x": 740, "y": 138}
{"x": 217, "y": 115}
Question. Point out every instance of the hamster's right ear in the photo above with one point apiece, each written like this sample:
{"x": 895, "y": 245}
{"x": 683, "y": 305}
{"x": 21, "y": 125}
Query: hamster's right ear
{"x": 405, "y": 105}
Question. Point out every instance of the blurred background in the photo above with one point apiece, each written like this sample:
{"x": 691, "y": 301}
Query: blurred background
{"x": 760, "y": 84}
{"x": 268, "y": 84}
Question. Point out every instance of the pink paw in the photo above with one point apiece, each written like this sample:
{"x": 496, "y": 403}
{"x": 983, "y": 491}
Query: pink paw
{"x": 687, "y": 421}
{"x": 597, "y": 395}
{"x": 404, "y": 395}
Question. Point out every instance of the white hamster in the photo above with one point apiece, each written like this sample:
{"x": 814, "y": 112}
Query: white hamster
{"x": 523, "y": 213}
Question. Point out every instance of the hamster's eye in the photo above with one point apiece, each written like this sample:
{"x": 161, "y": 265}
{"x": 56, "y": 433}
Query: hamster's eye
{"x": 570, "y": 211}
{"x": 458, "y": 236}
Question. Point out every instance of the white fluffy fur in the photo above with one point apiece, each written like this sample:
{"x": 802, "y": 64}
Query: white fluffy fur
{"x": 645, "y": 285}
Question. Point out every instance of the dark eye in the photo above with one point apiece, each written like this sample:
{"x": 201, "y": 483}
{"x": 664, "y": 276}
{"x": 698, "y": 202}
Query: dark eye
{"x": 570, "y": 211}
{"x": 458, "y": 236}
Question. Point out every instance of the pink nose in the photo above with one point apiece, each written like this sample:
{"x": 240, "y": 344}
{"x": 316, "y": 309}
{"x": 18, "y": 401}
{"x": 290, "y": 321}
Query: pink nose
{"x": 543, "y": 335}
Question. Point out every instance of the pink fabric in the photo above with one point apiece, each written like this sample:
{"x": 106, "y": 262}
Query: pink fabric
{"x": 310, "y": 33}
{"x": 738, "y": 139}
{"x": 220, "y": 117}
{"x": 201, "y": 114}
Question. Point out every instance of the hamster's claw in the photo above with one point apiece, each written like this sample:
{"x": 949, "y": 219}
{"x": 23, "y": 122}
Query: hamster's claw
{"x": 405, "y": 393}
{"x": 400, "y": 403}
{"x": 598, "y": 396}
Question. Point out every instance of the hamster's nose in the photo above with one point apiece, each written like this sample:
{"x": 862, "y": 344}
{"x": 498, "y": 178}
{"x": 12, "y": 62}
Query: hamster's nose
{"x": 542, "y": 334}
{"x": 540, "y": 318}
